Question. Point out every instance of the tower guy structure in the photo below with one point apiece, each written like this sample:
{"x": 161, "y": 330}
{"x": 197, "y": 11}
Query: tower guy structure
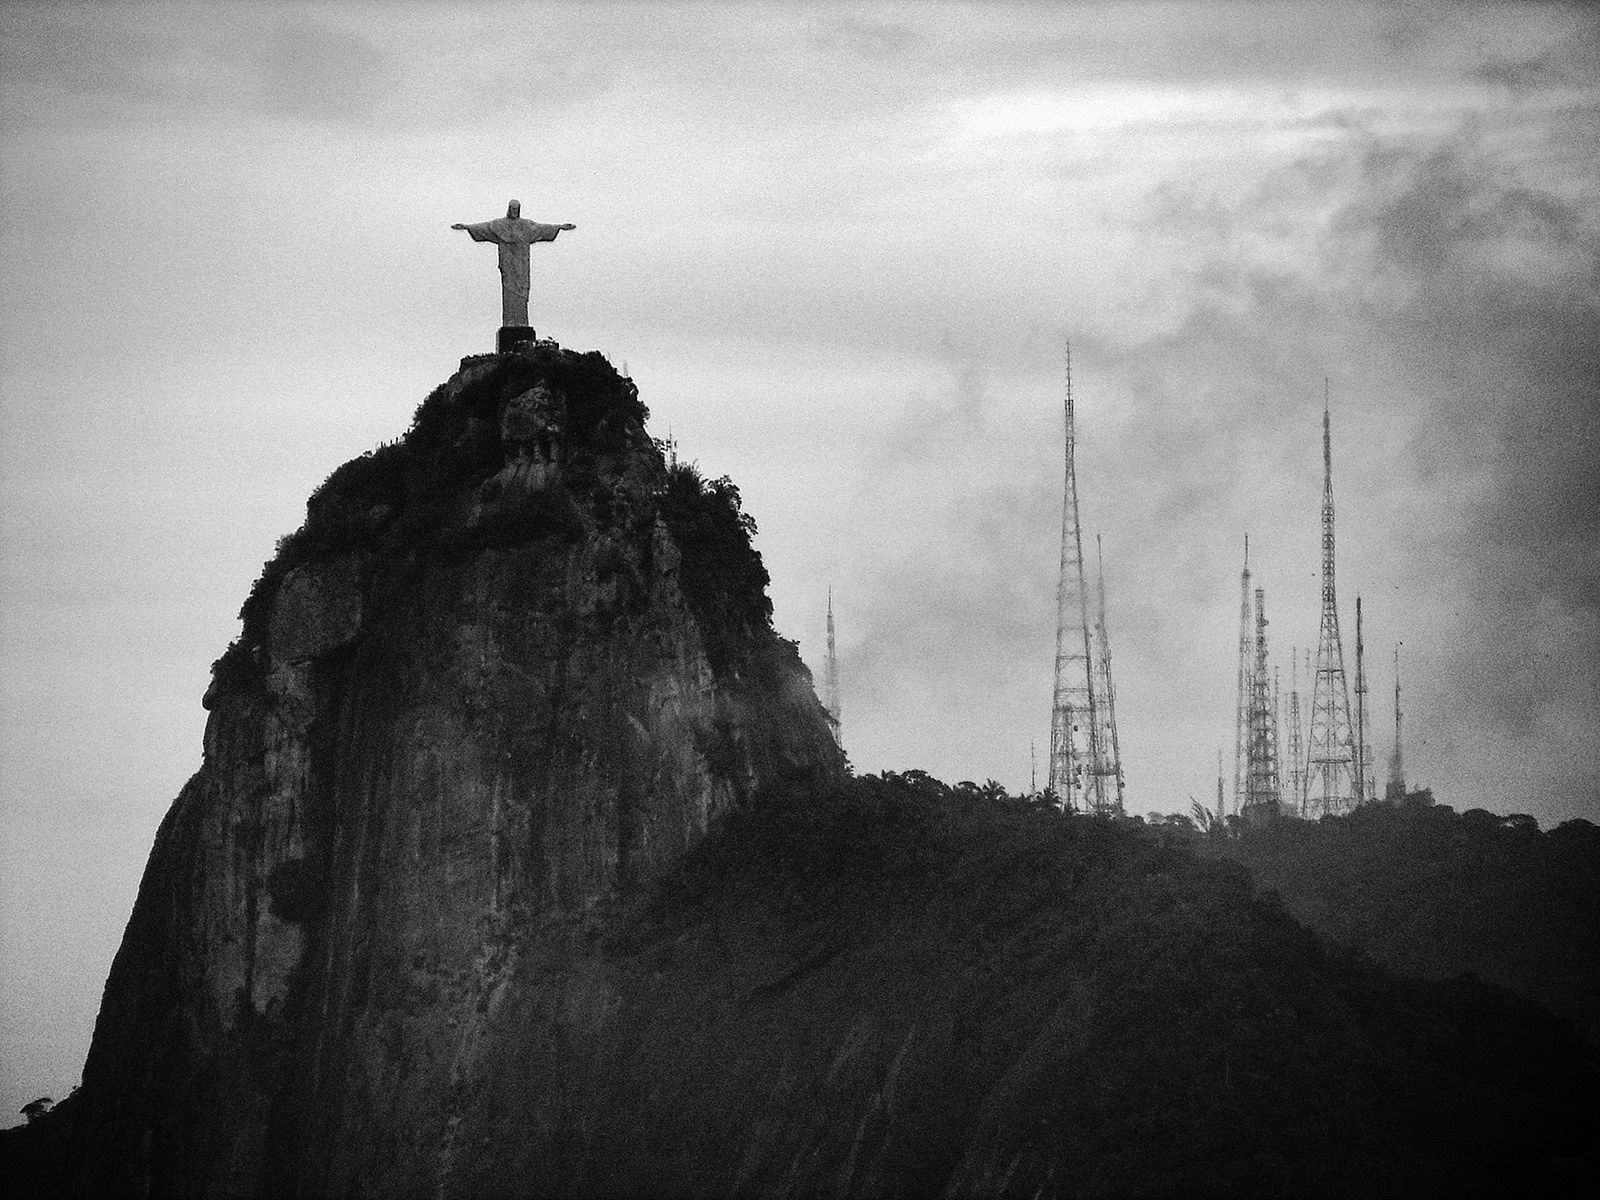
{"x": 1110, "y": 765}
{"x": 1333, "y": 780}
{"x": 1262, "y": 798}
{"x": 1277, "y": 732}
{"x": 830, "y": 683}
{"x": 1295, "y": 773}
{"x": 1257, "y": 750}
{"x": 1365, "y": 789}
{"x": 1394, "y": 790}
{"x": 1082, "y": 716}
{"x": 1245, "y": 689}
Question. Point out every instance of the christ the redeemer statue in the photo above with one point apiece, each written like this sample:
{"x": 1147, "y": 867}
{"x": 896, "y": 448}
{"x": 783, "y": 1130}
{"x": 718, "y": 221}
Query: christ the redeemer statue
{"x": 513, "y": 235}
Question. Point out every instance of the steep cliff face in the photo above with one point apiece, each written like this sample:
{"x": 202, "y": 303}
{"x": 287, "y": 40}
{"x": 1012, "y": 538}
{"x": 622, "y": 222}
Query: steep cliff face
{"x": 509, "y": 671}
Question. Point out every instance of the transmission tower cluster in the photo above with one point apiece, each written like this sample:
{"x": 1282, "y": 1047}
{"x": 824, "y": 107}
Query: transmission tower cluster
{"x": 1333, "y": 783}
{"x": 1085, "y": 759}
{"x": 1258, "y": 782}
{"x": 1328, "y": 771}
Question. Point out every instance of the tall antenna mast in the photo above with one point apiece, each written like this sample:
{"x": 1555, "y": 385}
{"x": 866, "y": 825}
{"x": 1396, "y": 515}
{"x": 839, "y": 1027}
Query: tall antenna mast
{"x": 1074, "y": 779}
{"x": 1297, "y": 766}
{"x": 1395, "y": 790}
{"x": 830, "y": 686}
{"x": 1241, "y": 720}
{"x": 1262, "y": 801}
{"x": 1110, "y": 766}
{"x": 1277, "y": 733}
{"x": 1331, "y": 785}
{"x": 1364, "y": 785}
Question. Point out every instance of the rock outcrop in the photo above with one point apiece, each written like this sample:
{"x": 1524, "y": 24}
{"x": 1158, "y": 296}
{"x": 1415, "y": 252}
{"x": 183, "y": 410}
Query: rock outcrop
{"x": 510, "y": 670}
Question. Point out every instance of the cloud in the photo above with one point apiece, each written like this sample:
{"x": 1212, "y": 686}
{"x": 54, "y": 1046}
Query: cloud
{"x": 304, "y": 68}
{"x": 1505, "y": 312}
{"x": 146, "y": 62}
{"x": 1453, "y": 291}
{"x": 870, "y": 38}
{"x": 1571, "y": 59}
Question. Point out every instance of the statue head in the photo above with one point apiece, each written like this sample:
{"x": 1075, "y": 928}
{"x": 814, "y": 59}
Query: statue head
{"x": 514, "y": 209}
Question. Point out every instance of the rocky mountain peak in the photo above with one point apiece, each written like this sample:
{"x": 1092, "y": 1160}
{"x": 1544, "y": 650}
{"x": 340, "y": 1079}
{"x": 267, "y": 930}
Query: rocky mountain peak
{"x": 513, "y": 666}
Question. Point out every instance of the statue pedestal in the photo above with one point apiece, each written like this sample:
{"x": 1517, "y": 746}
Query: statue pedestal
{"x": 513, "y": 337}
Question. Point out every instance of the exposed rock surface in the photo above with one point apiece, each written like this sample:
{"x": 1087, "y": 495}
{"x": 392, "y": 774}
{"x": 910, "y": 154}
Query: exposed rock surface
{"x": 472, "y": 703}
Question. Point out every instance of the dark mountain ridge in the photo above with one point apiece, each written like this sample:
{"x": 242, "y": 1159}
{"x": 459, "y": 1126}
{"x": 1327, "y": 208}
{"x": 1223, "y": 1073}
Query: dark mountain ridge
{"x": 1431, "y": 892}
{"x": 522, "y": 862}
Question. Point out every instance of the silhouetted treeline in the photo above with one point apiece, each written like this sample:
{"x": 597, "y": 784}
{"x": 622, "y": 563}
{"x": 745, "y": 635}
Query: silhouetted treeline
{"x": 1431, "y": 892}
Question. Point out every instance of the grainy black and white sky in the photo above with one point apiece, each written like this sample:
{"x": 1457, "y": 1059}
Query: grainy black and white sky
{"x": 839, "y": 248}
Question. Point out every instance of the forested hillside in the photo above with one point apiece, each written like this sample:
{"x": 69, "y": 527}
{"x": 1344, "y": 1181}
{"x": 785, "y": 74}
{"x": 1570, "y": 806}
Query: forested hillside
{"x": 1431, "y": 892}
{"x": 892, "y": 987}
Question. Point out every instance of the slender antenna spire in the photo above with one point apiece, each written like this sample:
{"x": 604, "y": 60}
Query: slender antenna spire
{"x": 1297, "y": 766}
{"x": 1327, "y": 444}
{"x": 1395, "y": 790}
{"x": 1331, "y": 768}
{"x": 1110, "y": 766}
{"x": 1075, "y": 760}
{"x": 1277, "y": 733}
{"x": 1364, "y": 786}
{"x": 1261, "y": 788}
{"x": 1241, "y": 721}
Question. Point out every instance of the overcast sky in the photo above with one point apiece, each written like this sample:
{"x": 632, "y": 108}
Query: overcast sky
{"x": 839, "y": 248}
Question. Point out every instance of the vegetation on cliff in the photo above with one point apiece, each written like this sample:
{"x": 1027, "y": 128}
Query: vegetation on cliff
{"x": 722, "y": 574}
{"x": 412, "y": 497}
{"x": 408, "y": 495}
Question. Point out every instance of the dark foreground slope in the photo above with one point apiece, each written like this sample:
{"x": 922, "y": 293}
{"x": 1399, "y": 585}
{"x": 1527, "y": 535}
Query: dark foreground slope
{"x": 891, "y": 988}
{"x": 1430, "y": 892}
{"x": 904, "y": 990}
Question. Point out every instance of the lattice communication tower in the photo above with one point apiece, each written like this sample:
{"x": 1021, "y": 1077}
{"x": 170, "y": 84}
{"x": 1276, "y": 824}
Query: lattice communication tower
{"x": 1110, "y": 763}
{"x": 1365, "y": 788}
{"x": 1296, "y": 772}
{"x": 1077, "y": 776}
{"x": 1245, "y": 684}
{"x": 1262, "y": 795}
{"x": 1395, "y": 790}
{"x": 1332, "y": 782}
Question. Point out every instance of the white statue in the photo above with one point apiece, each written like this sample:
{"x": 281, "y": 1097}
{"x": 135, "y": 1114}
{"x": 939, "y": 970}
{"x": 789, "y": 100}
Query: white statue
{"x": 513, "y": 235}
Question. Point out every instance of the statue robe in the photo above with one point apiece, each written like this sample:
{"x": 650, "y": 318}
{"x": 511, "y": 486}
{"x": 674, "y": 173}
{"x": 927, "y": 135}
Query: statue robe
{"x": 513, "y": 235}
